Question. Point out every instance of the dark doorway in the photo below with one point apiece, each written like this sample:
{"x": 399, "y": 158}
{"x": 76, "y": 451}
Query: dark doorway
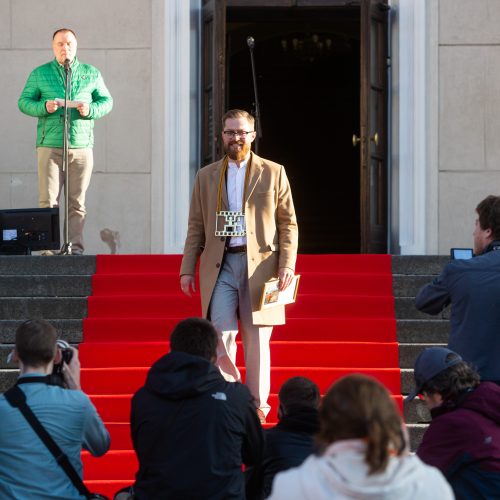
{"x": 308, "y": 73}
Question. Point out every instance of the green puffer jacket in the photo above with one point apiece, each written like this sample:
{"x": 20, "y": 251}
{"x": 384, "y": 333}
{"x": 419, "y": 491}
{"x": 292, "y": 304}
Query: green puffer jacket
{"x": 46, "y": 83}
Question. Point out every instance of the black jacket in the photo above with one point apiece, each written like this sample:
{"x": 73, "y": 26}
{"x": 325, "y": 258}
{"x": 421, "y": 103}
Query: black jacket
{"x": 192, "y": 431}
{"x": 288, "y": 444}
{"x": 472, "y": 287}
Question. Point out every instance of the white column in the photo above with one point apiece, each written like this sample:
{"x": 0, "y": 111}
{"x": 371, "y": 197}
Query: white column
{"x": 432, "y": 101}
{"x": 170, "y": 124}
{"x": 415, "y": 169}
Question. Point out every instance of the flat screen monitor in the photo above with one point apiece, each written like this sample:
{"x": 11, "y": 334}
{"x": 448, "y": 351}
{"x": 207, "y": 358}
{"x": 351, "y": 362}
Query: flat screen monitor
{"x": 29, "y": 228}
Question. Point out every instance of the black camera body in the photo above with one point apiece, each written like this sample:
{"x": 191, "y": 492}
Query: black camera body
{"x": 67, "y": 355}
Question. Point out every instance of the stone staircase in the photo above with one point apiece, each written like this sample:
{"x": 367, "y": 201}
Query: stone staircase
{"x": 415, "y": 330}
{"x": 55, "y": 288}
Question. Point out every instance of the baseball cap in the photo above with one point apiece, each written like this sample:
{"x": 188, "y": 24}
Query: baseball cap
{"x": 429, "y": 363}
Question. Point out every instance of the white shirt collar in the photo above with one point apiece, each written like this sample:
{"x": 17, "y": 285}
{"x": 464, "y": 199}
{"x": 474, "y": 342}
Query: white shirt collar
{"x": 243, "y": 164}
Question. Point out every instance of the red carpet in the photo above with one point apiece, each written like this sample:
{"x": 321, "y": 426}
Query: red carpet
{"x": 343, "y": 322}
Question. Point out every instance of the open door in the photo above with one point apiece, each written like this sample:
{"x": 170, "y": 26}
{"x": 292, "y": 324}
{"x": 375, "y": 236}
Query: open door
{"x": 372, "y": 138}
{"x": 214, "y": 78}
{"x": 347, "y": 76}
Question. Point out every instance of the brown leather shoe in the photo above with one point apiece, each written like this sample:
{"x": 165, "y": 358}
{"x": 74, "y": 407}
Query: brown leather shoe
{"x": 262, "y": 417}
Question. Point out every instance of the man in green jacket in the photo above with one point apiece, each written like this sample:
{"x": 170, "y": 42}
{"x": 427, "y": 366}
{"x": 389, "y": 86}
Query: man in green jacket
{"x": 43, "y": 98}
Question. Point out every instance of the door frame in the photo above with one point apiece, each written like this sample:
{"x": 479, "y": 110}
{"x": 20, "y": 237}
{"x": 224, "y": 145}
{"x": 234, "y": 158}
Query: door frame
{"x": 373, "y": 196}
{"x": 414, "y": 139}
{"x": 415, "y": 154}
{"x": 213, "y": 79}
{"x": 373, "y": 130}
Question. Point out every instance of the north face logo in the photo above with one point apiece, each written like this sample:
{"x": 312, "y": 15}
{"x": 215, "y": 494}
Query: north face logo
{"x": 221, "y": 396}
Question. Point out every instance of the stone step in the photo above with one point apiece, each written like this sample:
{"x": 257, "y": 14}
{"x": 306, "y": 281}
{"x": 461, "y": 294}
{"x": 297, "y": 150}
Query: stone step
{"x": 418, "y": 264}
{"x": 8, "y": 378}
{"x": 426, "y": 265}
{"x": 408, "y": 286}
{"x": 408, "y": 331}
{"x": 416, "y": 412}
{"x": 405, "y": 309}
{"x": 416, "y": 331}
{"x": 56, "y": 288}
{"x": 407, "y": 380}
{"x": 6, "y": 349}
{"x": 46, "y": 286}
{"x": 422, "y": 330}
{"x": 408, "y": 353}
{"x": 416, "y": 433}
{"x": 67, "y": 329}
{"x": 34, "y": 308}
{"x": 72, "y": 284}
{"x": 32, "y": 265}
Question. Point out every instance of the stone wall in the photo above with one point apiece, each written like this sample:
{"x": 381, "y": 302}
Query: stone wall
{"x": 116, "y": 37}
{"x": 469, "y": 114}
{"x": 128, "y": 192}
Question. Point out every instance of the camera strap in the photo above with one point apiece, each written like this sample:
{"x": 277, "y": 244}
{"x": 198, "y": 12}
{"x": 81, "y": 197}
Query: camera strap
{"x": 42, "y": 379}
{"x": 16, "y": 398}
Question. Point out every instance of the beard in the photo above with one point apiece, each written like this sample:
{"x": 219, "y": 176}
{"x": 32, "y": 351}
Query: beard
{"x": 237, "y": 150}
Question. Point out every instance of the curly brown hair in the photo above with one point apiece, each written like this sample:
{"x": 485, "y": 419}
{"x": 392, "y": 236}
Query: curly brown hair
{"x": 488, "y": 212}
{"x": 360, "y": 407}
{"x": 453, "y": 381}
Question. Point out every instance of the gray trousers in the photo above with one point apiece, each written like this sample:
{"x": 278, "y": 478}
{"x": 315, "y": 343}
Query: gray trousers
{"x": 230, "y": 301}
{"x": 51, "y": 182}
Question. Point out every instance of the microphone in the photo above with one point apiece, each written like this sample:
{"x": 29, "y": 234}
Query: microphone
{"x": 258, "y": 128}
{"x": 66, "y": 64}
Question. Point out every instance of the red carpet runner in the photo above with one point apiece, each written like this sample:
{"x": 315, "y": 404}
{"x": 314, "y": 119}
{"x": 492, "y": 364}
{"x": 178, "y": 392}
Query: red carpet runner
{"x": 342, "y": 322}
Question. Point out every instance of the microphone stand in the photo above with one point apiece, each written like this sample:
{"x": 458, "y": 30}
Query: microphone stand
{"x": 66, "y": 248}
{"x": 258, "y": 127}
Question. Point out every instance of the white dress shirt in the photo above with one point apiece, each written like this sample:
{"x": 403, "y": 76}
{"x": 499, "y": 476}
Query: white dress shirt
{"x": 235, "y": 188}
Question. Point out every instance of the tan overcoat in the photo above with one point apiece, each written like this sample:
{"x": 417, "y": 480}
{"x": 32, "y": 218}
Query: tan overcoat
{"x": 271, "y": 225}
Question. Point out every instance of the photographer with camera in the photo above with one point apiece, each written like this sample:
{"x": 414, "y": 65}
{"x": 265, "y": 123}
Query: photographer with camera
{"x": 472, "y": 287}
{"x": 27, "y": 468}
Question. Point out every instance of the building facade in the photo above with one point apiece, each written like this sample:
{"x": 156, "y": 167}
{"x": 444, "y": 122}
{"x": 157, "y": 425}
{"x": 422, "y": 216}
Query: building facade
{"x": 421, "y": 75}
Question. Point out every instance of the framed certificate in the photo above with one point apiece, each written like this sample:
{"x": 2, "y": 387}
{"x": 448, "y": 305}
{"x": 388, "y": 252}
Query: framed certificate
{"x": 271, "y": 295}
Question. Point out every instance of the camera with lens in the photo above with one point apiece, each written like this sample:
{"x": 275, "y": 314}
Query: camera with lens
{"x": 67, "y": 355}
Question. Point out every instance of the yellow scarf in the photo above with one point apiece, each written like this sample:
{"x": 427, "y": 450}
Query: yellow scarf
{"x": 222, "y": 178}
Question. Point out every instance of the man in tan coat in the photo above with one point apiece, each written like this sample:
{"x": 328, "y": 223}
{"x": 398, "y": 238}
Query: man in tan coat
{"x": 252, "y": 239}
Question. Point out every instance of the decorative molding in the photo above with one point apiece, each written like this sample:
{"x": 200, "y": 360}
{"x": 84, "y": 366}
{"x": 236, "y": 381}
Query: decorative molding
{"x": 432, "y": 106}
{"x": 417, "y": 156}
{"x": 157, "y": 125}
{"x": 171, "y": 131}
{"x": 412, "y": 127}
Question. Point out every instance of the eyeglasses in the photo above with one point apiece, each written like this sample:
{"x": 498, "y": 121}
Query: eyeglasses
{"x": 240, "y": 133}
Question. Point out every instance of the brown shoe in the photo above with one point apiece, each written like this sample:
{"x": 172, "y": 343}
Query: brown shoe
{"x": 262, "y": 417}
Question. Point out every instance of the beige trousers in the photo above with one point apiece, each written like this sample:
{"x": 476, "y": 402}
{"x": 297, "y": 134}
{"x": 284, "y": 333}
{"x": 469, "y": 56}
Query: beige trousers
{"x": 51, "y": 183}
{"x": 230, "y": 303}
